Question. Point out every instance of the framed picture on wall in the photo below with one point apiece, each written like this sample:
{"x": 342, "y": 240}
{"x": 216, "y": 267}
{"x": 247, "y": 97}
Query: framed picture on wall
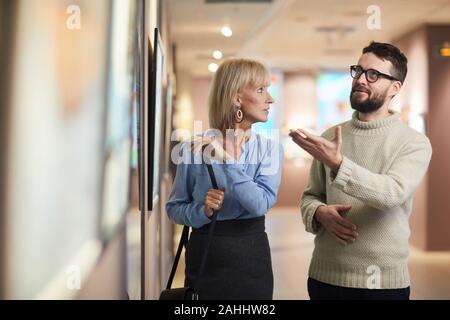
{"x": 156, "y": 101}
{"x": 121, "y": 105}
{"x": 50, "y": 222}
{"x": 138, "y": 153}
{"x": 168, "y": 123}
{"x": 134, "y": 239}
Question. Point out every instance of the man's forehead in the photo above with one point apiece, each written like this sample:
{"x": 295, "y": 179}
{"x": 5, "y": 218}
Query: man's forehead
{"x": 371, "y": 61}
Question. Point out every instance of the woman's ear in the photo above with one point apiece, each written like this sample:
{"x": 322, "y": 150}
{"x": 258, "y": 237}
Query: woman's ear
{"x": 237, "y": 101}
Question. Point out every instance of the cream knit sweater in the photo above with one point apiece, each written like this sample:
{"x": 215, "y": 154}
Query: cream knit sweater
{"x": 383, "y": 163}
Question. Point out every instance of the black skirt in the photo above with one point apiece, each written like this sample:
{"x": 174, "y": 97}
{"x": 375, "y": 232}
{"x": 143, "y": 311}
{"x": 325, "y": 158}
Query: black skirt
{"x": 238, "y": 265}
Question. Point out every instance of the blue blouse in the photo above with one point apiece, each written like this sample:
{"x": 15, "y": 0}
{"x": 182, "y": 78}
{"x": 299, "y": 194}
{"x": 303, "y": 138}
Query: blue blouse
{"x": 251, "y": 184}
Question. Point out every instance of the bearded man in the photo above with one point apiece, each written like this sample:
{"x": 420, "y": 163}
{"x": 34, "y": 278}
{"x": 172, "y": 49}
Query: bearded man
{"x": 359, "y": 194}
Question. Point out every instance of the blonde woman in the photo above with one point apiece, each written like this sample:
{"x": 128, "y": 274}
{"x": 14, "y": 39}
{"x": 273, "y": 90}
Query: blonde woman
{"x": 238, "y": 265}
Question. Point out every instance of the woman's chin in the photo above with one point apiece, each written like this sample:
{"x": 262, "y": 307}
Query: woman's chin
{"x": 264, "y": 118}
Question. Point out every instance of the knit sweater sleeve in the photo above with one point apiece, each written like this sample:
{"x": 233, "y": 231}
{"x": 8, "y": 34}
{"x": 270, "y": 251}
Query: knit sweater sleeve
{"x": 314, "y": 196}
{"x": 391, "y": 189}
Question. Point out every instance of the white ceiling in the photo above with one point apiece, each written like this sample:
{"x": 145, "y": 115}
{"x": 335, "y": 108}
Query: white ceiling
{"x": 287, "y": 33}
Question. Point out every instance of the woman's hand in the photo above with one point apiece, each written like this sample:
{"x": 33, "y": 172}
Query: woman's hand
{"x": 210, "y": 147}
{"x": 213, "y": 201}
{"x": 221, "y": 149}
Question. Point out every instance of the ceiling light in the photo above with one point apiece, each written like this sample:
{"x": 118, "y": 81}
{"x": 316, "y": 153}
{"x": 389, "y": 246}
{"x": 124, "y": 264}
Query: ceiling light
{"x": 226, "y": 31}
{"x": 213, "y": 67}
{"x": 217, "y": 54}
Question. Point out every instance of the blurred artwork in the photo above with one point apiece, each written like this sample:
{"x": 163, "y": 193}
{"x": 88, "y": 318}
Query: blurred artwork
{"x": 121, "y": 109}
{"x": 333, "y": 94}
{"x": 76, "y": 67}
{"x": 413, "y": 119}
{"x": 56, "y": 155}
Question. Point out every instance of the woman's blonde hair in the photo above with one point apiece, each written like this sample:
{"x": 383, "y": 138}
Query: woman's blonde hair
{"x": 231, "y": 77}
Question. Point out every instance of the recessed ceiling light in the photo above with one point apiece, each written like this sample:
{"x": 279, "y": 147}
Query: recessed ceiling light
{"x": 226, "y": 31}
{"x": 213, "y": 67}
{"x": 217, "y": 54}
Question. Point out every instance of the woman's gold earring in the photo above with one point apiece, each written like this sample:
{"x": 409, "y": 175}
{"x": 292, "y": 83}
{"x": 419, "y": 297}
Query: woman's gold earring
{"x": 239, "y": 115}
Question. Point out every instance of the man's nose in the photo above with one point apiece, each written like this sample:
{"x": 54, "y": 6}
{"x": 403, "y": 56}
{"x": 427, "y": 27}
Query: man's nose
{"x": 361, "y": 80}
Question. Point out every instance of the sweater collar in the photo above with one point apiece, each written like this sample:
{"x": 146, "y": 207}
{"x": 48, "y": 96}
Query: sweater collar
{"x": 376, "y": 126}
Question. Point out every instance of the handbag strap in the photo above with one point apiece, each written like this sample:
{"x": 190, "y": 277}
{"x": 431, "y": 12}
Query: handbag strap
{"x": 185, "y": 237}
{"x": 183, "y": 241}
{"x": 211, "y": 228}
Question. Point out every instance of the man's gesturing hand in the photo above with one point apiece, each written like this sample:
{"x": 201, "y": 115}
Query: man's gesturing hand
{"x": 326, "y": 151}
{"x": 340, "y": 228}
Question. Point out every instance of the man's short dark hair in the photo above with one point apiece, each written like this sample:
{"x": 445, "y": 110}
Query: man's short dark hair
{"x": 386, "y": 51}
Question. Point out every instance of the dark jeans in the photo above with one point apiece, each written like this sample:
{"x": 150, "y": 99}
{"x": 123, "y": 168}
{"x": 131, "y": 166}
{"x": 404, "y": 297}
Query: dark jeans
{"x": 322, "y": 291}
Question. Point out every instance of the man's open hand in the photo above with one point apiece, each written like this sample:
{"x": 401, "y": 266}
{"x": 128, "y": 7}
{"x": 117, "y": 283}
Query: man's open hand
{"x": 326, "y": 151}
{"x": 339, "y": 227}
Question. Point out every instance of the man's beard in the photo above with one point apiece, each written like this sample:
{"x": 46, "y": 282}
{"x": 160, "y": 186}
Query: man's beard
{"x": 368, "y": 105}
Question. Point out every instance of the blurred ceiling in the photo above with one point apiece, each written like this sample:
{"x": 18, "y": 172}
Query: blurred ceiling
{"x": 291, "y": 34}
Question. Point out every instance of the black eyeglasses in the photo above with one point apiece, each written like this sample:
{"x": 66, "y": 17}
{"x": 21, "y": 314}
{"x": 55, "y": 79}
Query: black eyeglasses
{"x": 372, "y": 75}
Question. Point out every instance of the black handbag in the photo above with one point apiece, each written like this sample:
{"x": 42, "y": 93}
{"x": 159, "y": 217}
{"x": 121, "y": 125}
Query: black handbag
{"x": 188, "y": 293}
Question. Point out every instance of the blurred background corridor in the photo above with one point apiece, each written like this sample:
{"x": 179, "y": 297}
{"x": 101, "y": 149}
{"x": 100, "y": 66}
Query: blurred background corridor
{"x": 95, "y": 94}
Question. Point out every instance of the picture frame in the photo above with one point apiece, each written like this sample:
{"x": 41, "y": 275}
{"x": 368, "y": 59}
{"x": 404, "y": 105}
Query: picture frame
{"x": 141, "y": 112}
{"x": 135, "y": 240}
{"x": 156, "y": 104}
{"x": 122, "y": 104}
{"x": 168, "y": 124}
{"x": 64, "y": 173}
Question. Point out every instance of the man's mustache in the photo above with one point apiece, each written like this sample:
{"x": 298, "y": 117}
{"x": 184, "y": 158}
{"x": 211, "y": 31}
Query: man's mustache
{"x": 359, "y": 88}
